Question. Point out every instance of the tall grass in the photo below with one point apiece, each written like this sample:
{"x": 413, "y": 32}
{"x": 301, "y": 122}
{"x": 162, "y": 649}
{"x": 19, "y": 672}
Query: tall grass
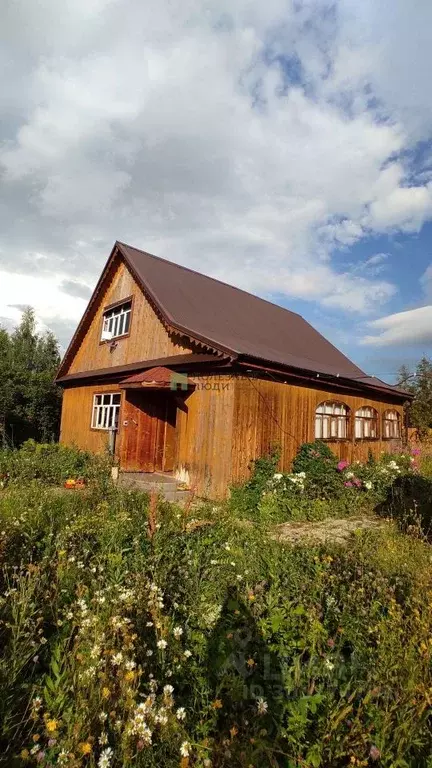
{"x": 125, "y": 643}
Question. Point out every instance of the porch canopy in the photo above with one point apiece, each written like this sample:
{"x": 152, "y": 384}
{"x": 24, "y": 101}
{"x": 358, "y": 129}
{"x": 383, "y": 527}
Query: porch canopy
{"x": 158, "y": 378}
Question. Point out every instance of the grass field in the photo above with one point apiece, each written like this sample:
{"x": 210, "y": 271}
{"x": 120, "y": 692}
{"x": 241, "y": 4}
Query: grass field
{"x": 136, "y": 633}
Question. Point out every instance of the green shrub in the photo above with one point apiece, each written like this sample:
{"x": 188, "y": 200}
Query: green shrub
{"x": 409, "y": 502}
{"x": 51, "y": 463}
{"x": 320, "y": 466}
{"x": 245, "y": 497}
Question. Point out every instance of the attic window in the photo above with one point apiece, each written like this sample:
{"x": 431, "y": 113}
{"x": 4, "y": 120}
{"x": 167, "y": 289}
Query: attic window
{"x": 116, "y": 321}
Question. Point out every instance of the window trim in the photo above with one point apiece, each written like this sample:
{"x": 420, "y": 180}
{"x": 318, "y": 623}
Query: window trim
{"x": 93, "y": 406}
{"x": 346, "y": 417}
{"x": 362, "y": 419}
{"x": 397, "y": 421}
{"x": 110, "y": 307}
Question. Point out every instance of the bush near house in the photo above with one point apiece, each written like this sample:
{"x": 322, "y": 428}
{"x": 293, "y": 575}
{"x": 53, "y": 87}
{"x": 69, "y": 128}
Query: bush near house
{"x": 50, "y": 463}
{"x": 124, "y": 644}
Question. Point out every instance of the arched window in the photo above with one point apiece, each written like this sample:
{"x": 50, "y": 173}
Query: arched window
{"x": 391, "y": 425}
{"x": 331, "y": 421}
{"x": 366, "y": 423}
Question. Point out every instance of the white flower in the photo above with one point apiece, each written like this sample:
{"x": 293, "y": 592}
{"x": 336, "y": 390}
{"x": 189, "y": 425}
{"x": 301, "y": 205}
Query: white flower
{"x": 278, "y": 476}
{"x": 184, "y": 749}
{"x": 105, "y": 758}
{"x": 349, "y": 475}
{"x": 149, "y": 652}
{"x": 103, "y": 739}
{"x": 393, "y": 465}
{"x": 177, "y": 632}
{"x": 181, "y": 713}
{"x": 227, "y": 547}
{"x": 117, "y": 659}
{"x": 207, "y": 763}
{"x": 262, "y": 706}
{"x": 168, "y": 690}
{"x": 213, "y": 562}
{"x": 329, "y": 664}
{"x": 368, "y": 485}
{"x": 162, "y": 644}
{"x": 187, "y": 654}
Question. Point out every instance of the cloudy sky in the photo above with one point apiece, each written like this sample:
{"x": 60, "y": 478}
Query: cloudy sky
{"x": 283, "y": 146}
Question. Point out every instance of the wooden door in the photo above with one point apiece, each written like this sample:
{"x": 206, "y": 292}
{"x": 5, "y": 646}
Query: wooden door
{"x": 147, "y": 432}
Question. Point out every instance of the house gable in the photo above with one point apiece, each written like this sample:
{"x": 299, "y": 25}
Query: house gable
{"x": 149, "y": 336}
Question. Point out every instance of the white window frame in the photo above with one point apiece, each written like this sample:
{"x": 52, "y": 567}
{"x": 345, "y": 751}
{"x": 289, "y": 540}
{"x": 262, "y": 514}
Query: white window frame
{"x": 331, "y": 421}
{"x": 117, "y": 320}
{"x": 391, "y": 424}
{"x": 366, "y": 423}
{"x": 106, "y": 410}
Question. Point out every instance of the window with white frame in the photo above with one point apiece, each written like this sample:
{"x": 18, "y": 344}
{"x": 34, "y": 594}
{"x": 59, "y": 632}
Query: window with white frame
{"x": 331, "y": 421}
{"x": 391, "y": 425}
{"x": 106, "y": 410}
{"x": 116, "y": 321}
{"x": 366, "y": 423}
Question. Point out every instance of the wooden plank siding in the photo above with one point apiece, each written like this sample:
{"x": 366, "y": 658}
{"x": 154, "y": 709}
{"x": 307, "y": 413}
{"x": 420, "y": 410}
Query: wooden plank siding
{"x": 204, "y": 437}
{"x": 76, "y": 417}
{"x": 148, "y": 338}
{"x": 267, "y": 413}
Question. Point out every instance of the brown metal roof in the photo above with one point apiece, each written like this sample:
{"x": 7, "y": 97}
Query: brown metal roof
{"x": 156, "y": 378}
{"x": 237, "y": 322}
{"x": 184, "y": 362}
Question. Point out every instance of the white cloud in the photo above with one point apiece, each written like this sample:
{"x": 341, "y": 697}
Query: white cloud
{"x": 413, "y": 327}
{"x": 188, "y": 131}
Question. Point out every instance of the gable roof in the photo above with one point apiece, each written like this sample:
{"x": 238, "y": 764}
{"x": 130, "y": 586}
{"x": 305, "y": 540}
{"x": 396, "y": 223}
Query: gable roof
{"x": 235, "y": 322}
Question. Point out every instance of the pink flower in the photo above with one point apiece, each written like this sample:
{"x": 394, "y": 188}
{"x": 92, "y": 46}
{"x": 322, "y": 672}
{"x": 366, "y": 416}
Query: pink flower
{"x": 416, "y": 451}
{"x": 374, "y": 753}
{"x": 357, "y": 482}
{"x": 348, "y": 484}
{"x": 342, "y": 465}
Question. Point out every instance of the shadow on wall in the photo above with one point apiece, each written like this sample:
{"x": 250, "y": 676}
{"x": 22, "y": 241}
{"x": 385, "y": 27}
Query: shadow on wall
{"x": 409, "y": 502}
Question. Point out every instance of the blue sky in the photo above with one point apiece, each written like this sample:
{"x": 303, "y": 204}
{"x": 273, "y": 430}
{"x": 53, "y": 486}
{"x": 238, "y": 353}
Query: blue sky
{"x": 284, "y": 147}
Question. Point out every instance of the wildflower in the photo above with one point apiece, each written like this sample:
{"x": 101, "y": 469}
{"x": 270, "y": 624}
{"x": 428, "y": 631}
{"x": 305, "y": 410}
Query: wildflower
{"x": 349, "y": 475}
{"x": 278, "y": 476}
{"x": 25, "y": 754}
{"x": 187, "y": 654}
{"x": 207, "y": 763}
{"x": 329, "y": 664}
{"x": 168, "y": 690}
{"x": 250, "y": 663}
{"x": 368, "y": 485}
{"x": 262, "y": 706}
{"x": 85, "y": 748}
{"x": 105, "y": 692}
{"x": 184, "y": 749}
{"x": 233, "y": 731}
{"x": 117, "y": 659}
{"x": 129, "y": 676}
{"x": 217, "y": 704}
{"x": 342, "y": 465}
{"x": 162, "y": 644}
{"x": 213, "y": 562}
{"x": 348, "y": 484}
{"x": 103, "y": 739}
{"x": 181, "y": 713}
{"x": 177, "y": 632}
{"x": 105, "y": 758}
{"x": 374, "y": 753}
{"x": 149, "y": 652}
{"x": 51, "y": 725}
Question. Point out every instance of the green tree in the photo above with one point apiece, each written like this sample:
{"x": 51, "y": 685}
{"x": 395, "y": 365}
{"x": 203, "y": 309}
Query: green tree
{"x": 420, "y": 385}
{"x": 29, "y": 400}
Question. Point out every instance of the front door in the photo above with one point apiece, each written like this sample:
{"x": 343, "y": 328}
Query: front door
{"x": 147, "y": 427}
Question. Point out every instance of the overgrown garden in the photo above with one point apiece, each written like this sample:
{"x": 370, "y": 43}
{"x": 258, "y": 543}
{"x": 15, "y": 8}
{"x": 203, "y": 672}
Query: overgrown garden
{"x": 138, "y": 633}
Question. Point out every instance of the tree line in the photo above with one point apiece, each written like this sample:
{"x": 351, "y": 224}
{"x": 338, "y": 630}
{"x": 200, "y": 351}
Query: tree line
{"x": 419, "y": 383}
{"x": 30, "y": 402}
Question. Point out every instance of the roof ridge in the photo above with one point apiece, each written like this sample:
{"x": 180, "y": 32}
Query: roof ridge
{"x": 208, "y": 277}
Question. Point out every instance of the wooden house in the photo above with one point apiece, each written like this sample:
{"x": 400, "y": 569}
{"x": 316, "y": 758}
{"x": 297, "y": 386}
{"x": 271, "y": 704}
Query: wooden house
{"x": 186, "y": 375}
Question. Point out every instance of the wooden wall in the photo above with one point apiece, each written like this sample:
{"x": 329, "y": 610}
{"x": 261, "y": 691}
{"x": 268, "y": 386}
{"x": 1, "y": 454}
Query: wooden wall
{"x": 148, "y": 337}
{"x": 221, "y": 426}
{"x": 204, "y": 437}
{"x": 76, "y": 418}
{"x": 270, "y": 412}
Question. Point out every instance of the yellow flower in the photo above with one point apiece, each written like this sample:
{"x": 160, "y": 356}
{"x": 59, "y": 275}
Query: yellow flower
{"x": 129, "y": 675}
{"x": 25, "y": 754}
{"x": 217, "y": 704}
{"x": 250, "y": 663}
{"x": 51, "y": 725}
{"x": 36, "y": 737}
{"x": 85, "y": 748}
{"x": 105, "y": 692}
{"x": 251, "y": 596}
{"x": 233, "y": 731}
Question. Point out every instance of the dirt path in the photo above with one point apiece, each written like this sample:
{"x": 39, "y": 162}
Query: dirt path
{"x": 326, "y": 531}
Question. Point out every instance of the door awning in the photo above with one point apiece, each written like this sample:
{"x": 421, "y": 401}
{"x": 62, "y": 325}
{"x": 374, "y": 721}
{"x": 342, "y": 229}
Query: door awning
{"x": 158, "y": 378}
